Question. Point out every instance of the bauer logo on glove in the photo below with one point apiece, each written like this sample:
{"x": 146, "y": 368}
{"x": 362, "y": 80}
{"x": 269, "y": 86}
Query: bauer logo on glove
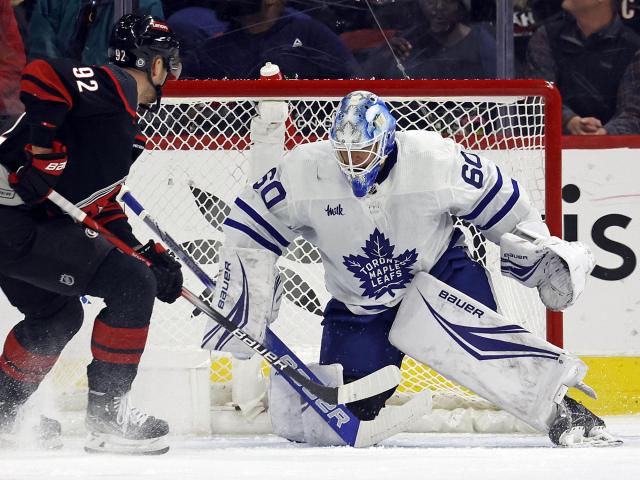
{"x": 35, "y": 179}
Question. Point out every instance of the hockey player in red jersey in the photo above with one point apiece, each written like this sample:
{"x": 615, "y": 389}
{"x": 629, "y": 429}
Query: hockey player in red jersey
{"x": 80, "y": 135}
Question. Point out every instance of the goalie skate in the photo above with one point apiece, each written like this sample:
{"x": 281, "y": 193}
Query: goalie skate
{"x": 115, "y": 426}
{"x": 577, "y": 426}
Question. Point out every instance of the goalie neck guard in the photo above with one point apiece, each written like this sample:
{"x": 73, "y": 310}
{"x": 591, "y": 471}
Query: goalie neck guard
{"x": 362, "y": 124}
{"x": 137, "y": 40}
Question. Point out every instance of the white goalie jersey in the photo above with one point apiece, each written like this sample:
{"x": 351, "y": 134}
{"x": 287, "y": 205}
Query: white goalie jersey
{"x": 372, "y": 247}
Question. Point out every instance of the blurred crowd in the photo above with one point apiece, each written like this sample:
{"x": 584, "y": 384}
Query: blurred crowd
{"x": 587, "y": 47}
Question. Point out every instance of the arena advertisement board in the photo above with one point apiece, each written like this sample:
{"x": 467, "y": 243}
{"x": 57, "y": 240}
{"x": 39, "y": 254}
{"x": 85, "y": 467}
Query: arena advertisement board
{"x": 601, "y": 207}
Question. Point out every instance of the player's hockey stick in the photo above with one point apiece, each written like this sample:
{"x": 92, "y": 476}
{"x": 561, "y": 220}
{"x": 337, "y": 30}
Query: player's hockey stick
{"x": 380, "y": 381}
{"x": 352, "y": 430}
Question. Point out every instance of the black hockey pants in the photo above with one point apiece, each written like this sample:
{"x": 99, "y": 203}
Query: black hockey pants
{"x": 45, "y": 265}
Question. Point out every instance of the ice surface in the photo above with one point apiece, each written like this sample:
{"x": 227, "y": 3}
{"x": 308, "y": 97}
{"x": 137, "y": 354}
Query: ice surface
{"x": 403, "y": 457}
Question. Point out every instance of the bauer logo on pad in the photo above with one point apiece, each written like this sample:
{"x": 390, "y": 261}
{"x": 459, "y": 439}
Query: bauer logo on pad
{"x": 481, "y": 342}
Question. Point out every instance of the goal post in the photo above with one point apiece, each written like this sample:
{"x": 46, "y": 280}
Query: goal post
{"x": 545, "y": 132}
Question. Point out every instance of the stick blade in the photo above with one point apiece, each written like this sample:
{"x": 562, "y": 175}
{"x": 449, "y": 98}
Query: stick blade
{"x": 377, "y": 382}
{"x": 393, "y": 419}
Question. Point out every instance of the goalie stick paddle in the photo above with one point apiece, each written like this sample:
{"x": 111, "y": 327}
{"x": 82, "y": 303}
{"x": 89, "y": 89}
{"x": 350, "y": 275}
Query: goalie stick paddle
{"x": 352, "y": 430}
{"x": 373, "y": 384}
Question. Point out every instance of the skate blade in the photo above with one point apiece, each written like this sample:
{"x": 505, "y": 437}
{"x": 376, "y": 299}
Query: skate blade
{"x": 598, "y": 437}
{"x": 114, "y": 444}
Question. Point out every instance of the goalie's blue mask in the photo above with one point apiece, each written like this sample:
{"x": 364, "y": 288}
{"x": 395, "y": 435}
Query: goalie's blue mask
{"x": 362, "y": 135}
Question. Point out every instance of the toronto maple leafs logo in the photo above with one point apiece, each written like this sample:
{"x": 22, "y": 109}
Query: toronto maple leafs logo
{"x": 379, "y": 271}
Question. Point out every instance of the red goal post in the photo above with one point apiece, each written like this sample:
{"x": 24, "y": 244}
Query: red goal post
{"x": 283, "y": 89}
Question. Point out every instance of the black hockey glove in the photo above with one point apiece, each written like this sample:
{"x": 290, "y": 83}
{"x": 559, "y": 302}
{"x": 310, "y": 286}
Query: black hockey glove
{"x": 35, "y": 179}
{"x": 166, "y": 269}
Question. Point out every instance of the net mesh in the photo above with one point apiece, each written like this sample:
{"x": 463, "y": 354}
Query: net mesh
{"x": 198, "y": 162}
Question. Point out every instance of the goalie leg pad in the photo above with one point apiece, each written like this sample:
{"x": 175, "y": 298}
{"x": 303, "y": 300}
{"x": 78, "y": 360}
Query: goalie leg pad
{"x": 248, "y": 292}
{"x": 478, "y": 348}
{"x": 291, "y": 417}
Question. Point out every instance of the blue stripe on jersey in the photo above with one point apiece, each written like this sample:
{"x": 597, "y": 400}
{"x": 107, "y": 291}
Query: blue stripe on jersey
{"x": 245, "y": 207}
{"x": 254, "y": 235}
{"x": 487, "y": 199}
{"x": 505, "y": 209}
{"x": 373, "y": 307}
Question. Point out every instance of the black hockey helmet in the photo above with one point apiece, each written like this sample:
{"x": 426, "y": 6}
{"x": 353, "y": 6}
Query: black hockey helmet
{"x": 136, "y": 40}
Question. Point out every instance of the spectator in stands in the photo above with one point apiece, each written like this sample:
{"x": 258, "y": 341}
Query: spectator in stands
{"x": 593, "y": 59}
{"x": 77, "y": 29}
{"x": 263, "y": 31}
{"x": 12, "y": 61}
{"x": 442, "y": 45}
{"x": 195, "y": 23}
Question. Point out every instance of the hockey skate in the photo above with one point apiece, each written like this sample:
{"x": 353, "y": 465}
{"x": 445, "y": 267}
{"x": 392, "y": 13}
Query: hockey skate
{"x": 46, "y": 433}
{"x": 577, "y": 426}
{"x": 115, "y": 426}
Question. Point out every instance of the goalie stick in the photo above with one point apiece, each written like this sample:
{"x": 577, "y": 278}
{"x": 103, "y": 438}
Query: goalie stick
{"x": 380, "y": 381}
{"x": 355, "y": 432}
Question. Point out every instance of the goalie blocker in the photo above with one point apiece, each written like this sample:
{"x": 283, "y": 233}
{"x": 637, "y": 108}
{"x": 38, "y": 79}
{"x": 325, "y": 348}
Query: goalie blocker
{"x": 478, "y": 348}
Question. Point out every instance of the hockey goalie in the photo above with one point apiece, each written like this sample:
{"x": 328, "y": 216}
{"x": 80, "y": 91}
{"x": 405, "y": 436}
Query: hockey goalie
{"x": 379, "y": 206}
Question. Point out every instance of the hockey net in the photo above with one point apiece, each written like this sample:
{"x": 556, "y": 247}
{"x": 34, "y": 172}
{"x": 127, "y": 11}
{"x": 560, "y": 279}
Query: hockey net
{"x": 199, "y": 159}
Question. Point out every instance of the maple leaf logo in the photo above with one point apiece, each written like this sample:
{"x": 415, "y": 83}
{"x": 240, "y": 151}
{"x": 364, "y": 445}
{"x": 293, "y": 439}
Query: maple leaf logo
{"x": 380, "y": 272}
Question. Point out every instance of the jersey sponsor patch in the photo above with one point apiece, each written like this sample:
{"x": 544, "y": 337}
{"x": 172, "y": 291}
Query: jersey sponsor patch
{"x": 379, "y": 271}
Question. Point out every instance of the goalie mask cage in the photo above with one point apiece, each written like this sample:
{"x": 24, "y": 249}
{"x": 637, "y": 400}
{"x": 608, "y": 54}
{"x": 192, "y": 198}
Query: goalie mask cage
{"x": 198, "y": 160}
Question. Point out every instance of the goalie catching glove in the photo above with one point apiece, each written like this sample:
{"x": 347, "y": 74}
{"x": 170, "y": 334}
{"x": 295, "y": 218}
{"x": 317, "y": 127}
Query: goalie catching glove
{"x": 166, "y": 270}
{"x": 35, "y": 179}
{"x": 248, "y": 292}
{"x": 558, "y": 269}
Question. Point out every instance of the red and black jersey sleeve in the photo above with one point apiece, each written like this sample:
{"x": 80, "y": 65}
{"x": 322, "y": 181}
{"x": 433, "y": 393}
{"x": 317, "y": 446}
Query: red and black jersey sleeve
{"x": 53, "y": 89}
{"x": 46, "y": 99}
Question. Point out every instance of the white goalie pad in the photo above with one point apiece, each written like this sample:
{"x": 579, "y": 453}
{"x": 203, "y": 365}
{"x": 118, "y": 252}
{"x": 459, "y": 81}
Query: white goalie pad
{"x": 558, "y": 269}
{"x": 292, "y": 418}
{"x": 248, "y": 292}
{"x": 478, "y": 348}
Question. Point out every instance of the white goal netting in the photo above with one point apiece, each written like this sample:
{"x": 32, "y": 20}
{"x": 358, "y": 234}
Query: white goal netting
{"x": 199, "y": 159}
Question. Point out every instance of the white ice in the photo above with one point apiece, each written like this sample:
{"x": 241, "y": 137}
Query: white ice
{"x": 403, "y": 457}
